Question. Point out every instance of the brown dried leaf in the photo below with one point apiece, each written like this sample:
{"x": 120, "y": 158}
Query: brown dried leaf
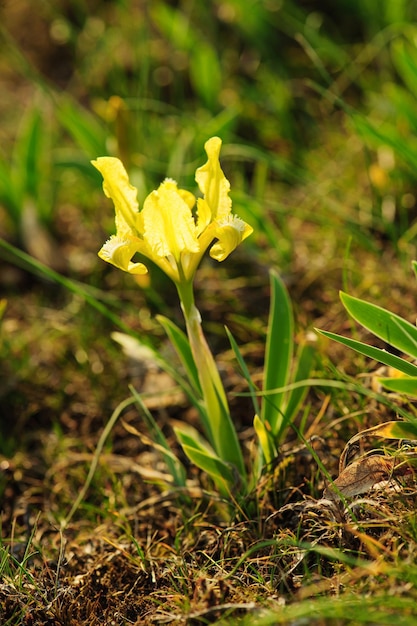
{"x": 360, "y": 476}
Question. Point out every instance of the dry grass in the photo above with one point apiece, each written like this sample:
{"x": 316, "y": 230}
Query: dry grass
{"x": 138, "y": 551}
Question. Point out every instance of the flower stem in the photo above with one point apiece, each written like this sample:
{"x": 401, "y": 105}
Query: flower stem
{"x": 222, "y": 433}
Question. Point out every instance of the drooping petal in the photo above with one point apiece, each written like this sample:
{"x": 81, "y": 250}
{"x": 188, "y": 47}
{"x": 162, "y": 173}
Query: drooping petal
{"x": 119, "y": 252}
{"x": 169, "y": 227}
{"x": 230, "y": 232}
{"x": 116, "y": 186}
{"x": 212, "y": 182}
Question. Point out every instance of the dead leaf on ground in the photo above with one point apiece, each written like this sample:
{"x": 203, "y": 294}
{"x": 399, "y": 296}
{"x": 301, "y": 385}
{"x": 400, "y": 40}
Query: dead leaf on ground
{"x": 361, "y": 476}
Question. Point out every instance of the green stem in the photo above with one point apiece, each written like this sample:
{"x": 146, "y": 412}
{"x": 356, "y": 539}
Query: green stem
{"x": 222, "y": 431}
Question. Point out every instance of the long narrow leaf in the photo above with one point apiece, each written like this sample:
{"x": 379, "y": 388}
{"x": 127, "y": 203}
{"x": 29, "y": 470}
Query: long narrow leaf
{"x": 388, "y": 137}
{"x": 28, "y": 153}
{"x": 278, "y": 354}
{"x": 206, "y": 459}
{"x": 406, "y": 385}
{"x": 265, "y": 439}
{"x": 297, "y": 394}
{"x": 9, "y": 195}
{"x": 84, "y": 128}
{"x": 182, "y": 347}
{"x": 227, "y": 440}
{"x": 386, "y": 325}
{"x": 253, "y": 389}
{"x": 374, "y": 353}
{"x": 405, "y": 61}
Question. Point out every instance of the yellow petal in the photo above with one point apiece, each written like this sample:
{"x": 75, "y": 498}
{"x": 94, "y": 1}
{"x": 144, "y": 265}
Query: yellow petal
{"x": 188, "y": 197}
{"x": 204, "y": 216}
{"x": 212, "y": 182}
{"x": 116, "y": 186}
{"x": 169, "y": 227}
{"x": 119, "y": 252}
{"x": 230, "y": 233}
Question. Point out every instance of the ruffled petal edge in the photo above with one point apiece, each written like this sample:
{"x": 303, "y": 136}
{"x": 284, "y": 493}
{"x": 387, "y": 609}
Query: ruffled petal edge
{"x": 119, "y": 252}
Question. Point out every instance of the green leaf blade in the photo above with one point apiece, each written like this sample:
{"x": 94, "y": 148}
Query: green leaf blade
{"x": 245, "y": 371}
{"x": 374, "y": 353}
{"x": 200, "y": 453}
{"x": 182, "y": 347}
{"x": 388, "y": 326}
{"x": 265, "y": 439}
{"x": 406, "y": 385}
{"x": 297, "y": 394}
{"x": 278, "y": 353}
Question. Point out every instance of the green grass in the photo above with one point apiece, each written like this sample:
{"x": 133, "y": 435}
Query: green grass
{"x": 316, "y": 109}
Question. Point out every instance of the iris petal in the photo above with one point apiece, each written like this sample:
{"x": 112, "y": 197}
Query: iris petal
{"x": 212, "y": 182}
{"x": 166, "y": 231}
{"x": 169, "y": 227}
{"x": 116, "y": 186}
{"x": 230, "y": 233}
{"x": 203, "y": 215}
{"x": 119, "y": 252}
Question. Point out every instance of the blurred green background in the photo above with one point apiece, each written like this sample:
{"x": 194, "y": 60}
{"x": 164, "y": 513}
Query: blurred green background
{"x": 298, "y": 91}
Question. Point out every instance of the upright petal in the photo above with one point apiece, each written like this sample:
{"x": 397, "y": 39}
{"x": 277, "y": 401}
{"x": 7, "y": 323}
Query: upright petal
{"x": 230, "y": 232}
{"x": 116, "y": 186}
{"x": 169, "y": 227}
{"x": 212, "y": 182}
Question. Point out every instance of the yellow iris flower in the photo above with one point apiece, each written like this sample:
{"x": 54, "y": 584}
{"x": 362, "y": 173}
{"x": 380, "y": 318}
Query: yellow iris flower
{"x": 167, "y": 230}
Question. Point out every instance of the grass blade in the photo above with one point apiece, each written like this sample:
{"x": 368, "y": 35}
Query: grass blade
{"x": 174, "y": 465}
{"x": 84, "y": 128}
{"x": 94, "y": 463}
